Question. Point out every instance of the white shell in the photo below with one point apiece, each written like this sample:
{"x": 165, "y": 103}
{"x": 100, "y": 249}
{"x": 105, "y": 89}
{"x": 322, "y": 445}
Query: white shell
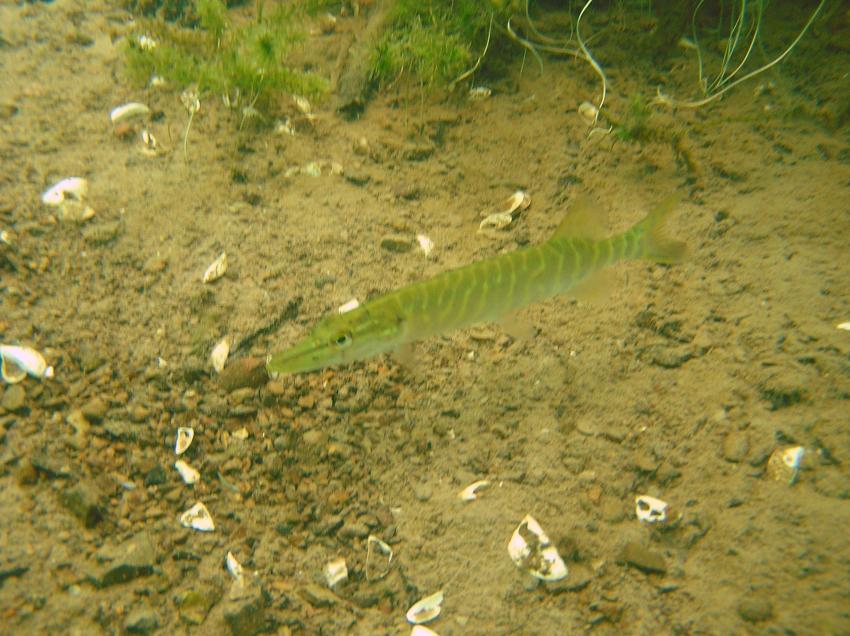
{"x": 198, "y": 518}
{"x": 349, "y": 306}
{"x": 302, "y": 104}
{"x": 844, "y": 325}
{"x": 373, "y": 546}
{"x": 18, "y": 362}
{"x": 541, "y": 560}
{"x": 793, "y": 457}
{"x": 470, "y": 493}
{"x": 129, "y": 111}
{"x": 219, "y": 354}
{"x": 497, "y": 221}
{"x": 421, "y": 630}
{"x": 216, "y": 269}
{"x": 425, "y": 244}
{"x": 74, "y": 187}
{"x": 479, "y": 93}
{"x": 650, "y": 510}
{"x": 189, "y": 474}
{"x": 146, "y": 42}
{"x": 426, "y": 609}
{"x": 234, "y": 567}
{"x": 519, "y": 200}
{"x": 185, "y": 435}
{"x": 335, "y": 571}
{"x": 589, "y": 112}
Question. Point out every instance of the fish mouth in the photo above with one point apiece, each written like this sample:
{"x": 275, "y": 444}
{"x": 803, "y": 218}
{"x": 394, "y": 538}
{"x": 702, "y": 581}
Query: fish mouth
{"x": 301, "y": 357}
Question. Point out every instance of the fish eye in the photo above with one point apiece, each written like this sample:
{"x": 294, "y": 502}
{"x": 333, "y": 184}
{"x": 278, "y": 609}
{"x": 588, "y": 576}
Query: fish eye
{"x": 343, "y": 340}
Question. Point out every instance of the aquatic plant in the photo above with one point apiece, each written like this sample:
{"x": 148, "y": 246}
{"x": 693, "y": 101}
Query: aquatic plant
{"x": 239, "y": 61}
{"x": 742, "y": 30}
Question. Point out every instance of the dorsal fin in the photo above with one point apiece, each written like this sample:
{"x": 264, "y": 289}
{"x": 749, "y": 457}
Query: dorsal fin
{"x": 582, "y": 220}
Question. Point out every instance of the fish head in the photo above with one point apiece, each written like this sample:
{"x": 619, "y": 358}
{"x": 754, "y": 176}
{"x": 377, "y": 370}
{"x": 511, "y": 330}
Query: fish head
{"x": 340, "y": 339}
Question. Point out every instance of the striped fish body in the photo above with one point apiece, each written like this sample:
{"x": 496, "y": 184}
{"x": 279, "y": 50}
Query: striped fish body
{"x": 482, "y": 291}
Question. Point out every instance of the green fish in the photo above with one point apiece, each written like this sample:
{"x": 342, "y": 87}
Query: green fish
{"x": 482, "y": 291}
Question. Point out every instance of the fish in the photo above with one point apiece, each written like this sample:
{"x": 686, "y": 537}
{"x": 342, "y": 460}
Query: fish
{"x": 482, "y": 291}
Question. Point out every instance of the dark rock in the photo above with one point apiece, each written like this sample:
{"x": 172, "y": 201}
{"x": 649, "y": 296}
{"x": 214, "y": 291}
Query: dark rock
{"x": 129, "y": 560}
{"x": 195, "y": 603}
{"x": 642, "y": 558}
{"x": 243, "y": 372}
{"x": 142, "y": 620}
{"x": 122, "y": 430}
{"x": 95, "y": 409}
{"x": 357, "y": 178}
{"x": 244, "y": 610}
{"x": 396, "y": 244}
{"x": 754, "y": 609}
{"x": 14, "y": 398}
{"x": 156, "y": 476}
{"x": 736, "y": 445}
{"x": 318, "y": 596}
{"x": 85, "y": 501}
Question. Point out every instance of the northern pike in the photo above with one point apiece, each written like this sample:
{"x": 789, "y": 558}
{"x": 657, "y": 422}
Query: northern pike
{"x": 485, "y": 290}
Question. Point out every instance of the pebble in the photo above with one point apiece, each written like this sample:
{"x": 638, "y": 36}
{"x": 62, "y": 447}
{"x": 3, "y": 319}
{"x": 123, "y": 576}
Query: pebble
{"x": 84, "y": 500}
{"x": 736, "y": 445}
{"x": 14, "y": 398}
{"x": 396, "y": 244}
{"x": 131, "y": 559}
{"x": 95, "y": 409}
{"x": 244, "y": 609}
{"x": 243, "y": 372}
{"x": 754, "y": 609}
{"x": 195, "y": 603}
{"x": 318, "y": 596}
{"x": 642, "y": 558}
{"x": 142, "y": 620}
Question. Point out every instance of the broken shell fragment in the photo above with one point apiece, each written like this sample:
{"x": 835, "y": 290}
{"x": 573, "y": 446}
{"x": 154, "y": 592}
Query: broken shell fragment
{"x": 185, "y": 435}
{"x": 470, "y": 493}
{"x": 189, "y": 474}
{"x": 73, "y": 187}
{"x": 198, "y": 518}
{"x": 219, "y": 354}
{"x": 349, "y": 306}
{"x": 519, "y": 200}
{"x": 18, "y": 362}
{"x": 216, "y": 269}
{"x": 421, "y": 630}
{"x": 479, "y": 93}
{"x": 844, "y": 326}
{"x": 532, "y": 551}
{"x": 234, "y": 567}
{"x": 784, "y": 464}
{"x": 426, "y": 609}
{"x": 302, "y": 104}
{"x": 379, "y": 556}
{"x": 589, "y": 112}
{"x": 126, "y": 112}
{"x": 335, "y": 571}
{"x": 425, "y": 244}
{"x": 650, "y": 510}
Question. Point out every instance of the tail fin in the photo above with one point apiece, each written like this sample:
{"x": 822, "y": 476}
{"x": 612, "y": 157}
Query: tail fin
{"x": 656, "y": 245}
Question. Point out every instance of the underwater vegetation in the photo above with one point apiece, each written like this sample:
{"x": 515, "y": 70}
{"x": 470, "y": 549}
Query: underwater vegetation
{"x": 238, "y": 60}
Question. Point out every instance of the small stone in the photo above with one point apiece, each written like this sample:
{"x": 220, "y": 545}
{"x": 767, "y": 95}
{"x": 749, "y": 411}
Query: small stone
{"x": 142, "y": 620}
{"x": 670, "y": 357}
{"x": 754, "y": 609}
{"x": 642, "y": 558}
{"x": 156, "y": 476}
{"x": 14, "y": 398}
{"x": 95, "y": 409}
{"x": 121, "y": 430}
{"x": 244, "y": 609}
{"x": 155, "y": 264}
{"x": 423, "y": 492}
{"x": 134, "y": 558}
{"x": 194, "y": 604}
{"x": 243, "y": 372}
{"x": 396, "y": 244}
{"x": 736, "y": 445}
{"x": 314, "y": 437}
{"x": 84, "y": 500}
{"x": 318, "y": 596}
